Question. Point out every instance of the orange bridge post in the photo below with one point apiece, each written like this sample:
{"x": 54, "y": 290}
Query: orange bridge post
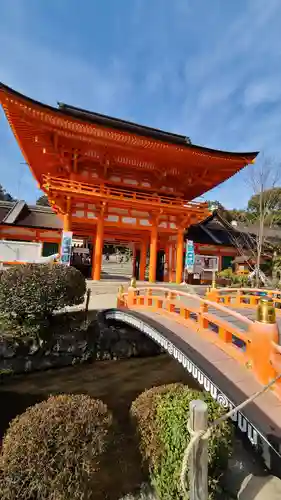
{"x": 98, "y": 248}
{"x": 143, "y": 252}
{"x": 264, "y": 332}
{"x": 153, "y": 253}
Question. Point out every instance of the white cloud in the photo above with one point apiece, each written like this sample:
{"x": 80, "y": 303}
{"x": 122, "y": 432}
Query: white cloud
{"x": 263, "y": 91}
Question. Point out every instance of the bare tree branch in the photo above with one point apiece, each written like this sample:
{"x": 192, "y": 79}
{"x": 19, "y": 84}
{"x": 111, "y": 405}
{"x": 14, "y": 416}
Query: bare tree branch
{"x": 262, "y": 180}
{"x": 264, "y": 210}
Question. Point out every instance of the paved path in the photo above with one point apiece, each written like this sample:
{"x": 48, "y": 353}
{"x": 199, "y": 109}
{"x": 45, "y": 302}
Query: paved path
{"x": 112, "y": 269}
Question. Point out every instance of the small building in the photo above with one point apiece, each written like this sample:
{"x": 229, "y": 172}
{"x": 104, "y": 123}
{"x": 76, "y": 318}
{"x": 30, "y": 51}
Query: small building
{"x": 31, "y": 223}
{"x": 217, "y": 243}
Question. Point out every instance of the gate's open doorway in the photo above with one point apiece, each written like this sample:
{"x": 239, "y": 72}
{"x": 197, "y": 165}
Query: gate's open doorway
{"x": 160, "y": 266}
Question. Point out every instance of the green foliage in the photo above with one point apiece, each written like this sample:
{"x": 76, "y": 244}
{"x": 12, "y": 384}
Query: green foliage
{"x": 43, "y": 201}
{"x": 236, "y": 279}
{"x": 161, "y": 415}
{"x": 53, "y": 450}
{"x": 271, "y": 198}
{"x": 5, "y": 372}
{"x": 30, "y": 293}
{"x": 267, "y": 203}
{"x": 226, "y": 273}
{"x": 229, "y": 215}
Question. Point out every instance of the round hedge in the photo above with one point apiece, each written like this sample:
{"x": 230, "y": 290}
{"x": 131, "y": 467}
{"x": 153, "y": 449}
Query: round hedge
{"x": 36, "y": 290}
{"x": 52, "y": 450}
{"x": 161, "y": 416}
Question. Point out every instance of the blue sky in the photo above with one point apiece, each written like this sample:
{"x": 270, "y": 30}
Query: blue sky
{"x": 209, "y": 69}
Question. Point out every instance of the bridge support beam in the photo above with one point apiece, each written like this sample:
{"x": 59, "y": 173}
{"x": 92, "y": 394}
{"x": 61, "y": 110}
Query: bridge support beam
{"x": 153, "y": 254}
{"x": 96, "y": 270}
{"x": 143, "y": 251}
{"x": 179, "y": 268}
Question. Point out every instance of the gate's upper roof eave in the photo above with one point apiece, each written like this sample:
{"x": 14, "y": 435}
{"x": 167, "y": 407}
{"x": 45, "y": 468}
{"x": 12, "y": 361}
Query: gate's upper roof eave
{"x": 127, "y": 126}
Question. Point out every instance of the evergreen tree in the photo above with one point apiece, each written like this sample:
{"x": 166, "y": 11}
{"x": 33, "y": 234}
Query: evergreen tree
{"x": 4, "y": 196}
{"x": 43, "y": 201}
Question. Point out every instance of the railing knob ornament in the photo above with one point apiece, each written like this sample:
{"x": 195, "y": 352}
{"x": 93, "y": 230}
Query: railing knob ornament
{"x": 263, "y": 333}
{"x": 133, "y": 283}
{"x": 121, "y": 290}
{"x": 266, "y": 311}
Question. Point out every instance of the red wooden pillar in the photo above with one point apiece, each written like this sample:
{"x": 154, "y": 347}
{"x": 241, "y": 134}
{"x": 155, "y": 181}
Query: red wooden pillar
{"x": 143, "y": 252}
{"x": 179, "y": 263}
{"x": 153, "y": 253}
{"x": 98, "y": 249}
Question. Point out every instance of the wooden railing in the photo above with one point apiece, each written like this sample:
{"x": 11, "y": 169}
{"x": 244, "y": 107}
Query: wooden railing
{"x": 244, "y": 297}
{"x": 252, "y": 344}
{"x": 126, "y": 196}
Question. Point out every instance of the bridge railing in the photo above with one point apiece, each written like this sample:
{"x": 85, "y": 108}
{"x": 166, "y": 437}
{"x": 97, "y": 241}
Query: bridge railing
{"x": 253, "y": 344}
{"x": 244, "y": 297}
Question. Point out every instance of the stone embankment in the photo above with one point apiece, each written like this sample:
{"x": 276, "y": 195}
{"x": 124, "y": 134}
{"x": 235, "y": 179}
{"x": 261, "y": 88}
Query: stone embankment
{"x": 97, "y": 341}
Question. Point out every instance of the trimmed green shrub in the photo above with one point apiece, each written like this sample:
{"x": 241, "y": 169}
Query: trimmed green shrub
{"x": 34, "y": 291}
{"x": 52, "y": 450}
{"x": 161, "y": 415}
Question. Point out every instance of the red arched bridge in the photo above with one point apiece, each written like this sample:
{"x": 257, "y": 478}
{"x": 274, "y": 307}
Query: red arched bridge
{"x": 223, "y": 347}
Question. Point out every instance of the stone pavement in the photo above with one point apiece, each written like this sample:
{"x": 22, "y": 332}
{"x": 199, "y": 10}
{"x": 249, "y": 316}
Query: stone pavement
{"x": 102, "y": 301}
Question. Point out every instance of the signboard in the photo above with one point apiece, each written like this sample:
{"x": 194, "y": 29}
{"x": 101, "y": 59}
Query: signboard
{"x": 66, "y": 244}
{"x": 81, "y": 250}
{"x": 189, "y": 256}
{"x": 256, "y": 437}
{"x": 206, "y": 263}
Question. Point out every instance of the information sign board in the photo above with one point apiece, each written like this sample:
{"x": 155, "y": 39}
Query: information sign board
{"x": 66, "y": 244}
{"x": 189, "y": 256}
